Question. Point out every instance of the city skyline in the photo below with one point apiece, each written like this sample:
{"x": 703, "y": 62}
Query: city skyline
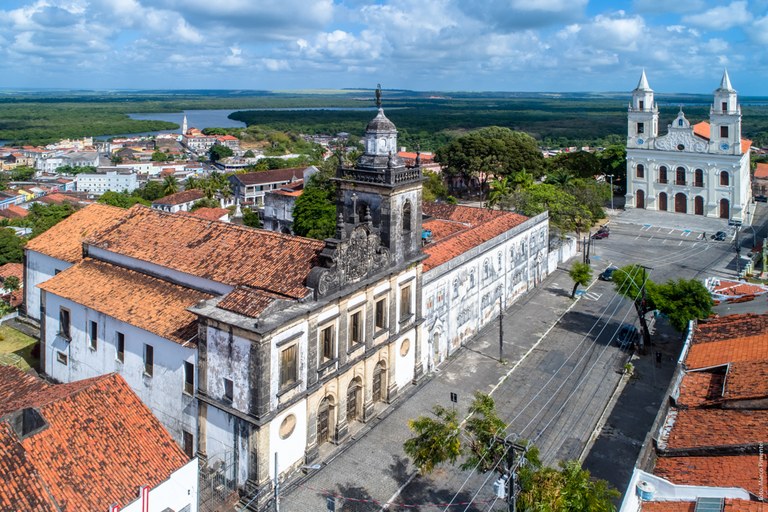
{"x": 439, "y": 45}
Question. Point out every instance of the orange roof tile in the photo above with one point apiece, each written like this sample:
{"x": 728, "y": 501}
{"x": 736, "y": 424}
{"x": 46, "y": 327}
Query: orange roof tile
{"x": 56, "y": 198}
{"x": 225, "y": 253}
{"x": 248, "y": 302}
{"x": 701, "y": 388}
{"x": 102, "y": 443}
{"x": 746, "y": 380}
{"x": 717, "y": 471}
{"x": 208, "y": 213}
{"x": 715, "y": 353}
{"x": 481, "y": 224}
{"x": 180, "y": 197}
{"x": 64, "y": 241}
{"x": 14, "y": 212}
{"x": 668, "y": 506}
{"x": 730, "y": 326}
{"x": 761, "y": 171}
{"x": 12, "y": 269}
{"x": 270, "y": 176}
{"x": 735, "y": 288}
{"x": 706, "y": 428}
{"x": 152, "y": 304}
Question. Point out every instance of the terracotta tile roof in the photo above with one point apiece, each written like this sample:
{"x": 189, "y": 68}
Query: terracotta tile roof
{"x": 441, "y": 229}
{"x": 719, "y": 471}
{"x": 248, "y": 302}
{"x": 746, "y": 380}
{"x": 738, "y": 288}
{"x": 100, "y": 445}
{"x": 293, "y": 189}
{"x": 14, "y": 212}
{"x": 482, "y": 225}
{"x": 12, "y": 269}
{"x": 689, "y": 506}
{"x": 761, "y": 171}
{"x": 715, "y": 353}
{"x": 152, "y": 304}
{"x": 701, "y": 388}
{"x": 180, "y": 197}
{"x": 64, "y": 241}
{"x": 271, "y": 176}
{"x": 221, "y": 252}
{"x": 208, "y": 213}
{"x": 730, "y": 326}
{"x": 702, "y": 129}
{"x": 57, "y": 198}
{"x": 705, "y": 428}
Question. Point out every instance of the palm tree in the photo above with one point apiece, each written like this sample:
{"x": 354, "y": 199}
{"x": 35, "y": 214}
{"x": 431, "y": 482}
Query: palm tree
{"x": 191, "y": 183}
{"x": 560, "y": 177}
{"x": 499, "y": 194}
{"x": 170, "y": 185}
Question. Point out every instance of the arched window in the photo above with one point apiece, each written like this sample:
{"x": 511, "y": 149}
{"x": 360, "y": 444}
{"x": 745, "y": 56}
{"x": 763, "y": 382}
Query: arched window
{"x": 680, "y": 176}
{"x": 640, "y": 171}
{"x": 407, "y": 216}
{"x": 698, "y": 178}
{"x": 662, "y": 174}
{"x": 724, "y": 178}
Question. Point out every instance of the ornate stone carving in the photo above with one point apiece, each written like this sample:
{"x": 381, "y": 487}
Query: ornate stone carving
{"x": 677, "y": 139}
{"x": 349, "y": 260}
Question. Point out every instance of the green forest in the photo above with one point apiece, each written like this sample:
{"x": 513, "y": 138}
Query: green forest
{"x": 427, "y": 119}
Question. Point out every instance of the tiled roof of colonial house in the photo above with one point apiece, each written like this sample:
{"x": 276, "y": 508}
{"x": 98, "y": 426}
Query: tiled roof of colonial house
{"x": 14, "y": 212}
{"x": 761, "y": 171}
{"x": 271, "y": 176}
{"x": 208, "y": 213}
{"x": 293, "y": 189}
{"x": 457, "y": 229}
{"x": 742, "y": 470}
{"x": 185, "y": 196}
{"x": 64, "y": 241}
{"x": 157, "y": 306}
{"x": 96, "y": 445}
{"x": 217, "y": 251}
{"x": 11, "y": 269}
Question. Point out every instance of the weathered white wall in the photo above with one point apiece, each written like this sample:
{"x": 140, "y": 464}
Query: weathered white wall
{"x": 38, "y": 269}
{"x": 179, "y": 491}
{"x": 163, "y": 392}
{"x": 462, "y": 295}
{"x": 228, "y": 358}
{"x": 291, "y": 449}
{"x": 299, "y": 331}
{"x": 404, "y": 364}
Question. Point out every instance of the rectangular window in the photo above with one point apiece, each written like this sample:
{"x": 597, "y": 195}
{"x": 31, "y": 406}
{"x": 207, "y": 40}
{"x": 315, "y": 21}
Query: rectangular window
{"x": 356, "y": 328}
{"x": 189, "y": 444}
{"x": 120, "y": 342}
{"x": 640, "y": 127}
{"x": 327, "y": 344}
{"x": 725, "y": 106}
{"x": 61, "y": 357}
{"x": 641, "y": 104}
{"x": 64, "y": 324}
{"x": 724, "y": 132}
{"x": 93, "y": 334}
{"x": 229, "y": 390}
{"x": 189, "y": 378}
{"x": 405, "y": 303}
{"x": 381, "y": 314}
{"x": 288, "y": 366}
{"x": 149, "y": 359}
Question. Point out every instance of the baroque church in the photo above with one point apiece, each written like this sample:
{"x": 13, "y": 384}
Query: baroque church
{"x": 698, "y": 169}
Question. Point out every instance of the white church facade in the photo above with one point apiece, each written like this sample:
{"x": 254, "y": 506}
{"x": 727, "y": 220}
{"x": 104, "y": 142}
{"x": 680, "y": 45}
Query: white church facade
{"x": 700, "y": 169}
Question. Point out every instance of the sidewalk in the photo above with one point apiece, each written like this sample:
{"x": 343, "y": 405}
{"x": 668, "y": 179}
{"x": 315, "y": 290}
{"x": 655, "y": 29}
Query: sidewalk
{"x": 371, "y": 472}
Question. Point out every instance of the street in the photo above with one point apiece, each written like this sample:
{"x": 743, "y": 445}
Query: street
{"x": 561, "y": 369}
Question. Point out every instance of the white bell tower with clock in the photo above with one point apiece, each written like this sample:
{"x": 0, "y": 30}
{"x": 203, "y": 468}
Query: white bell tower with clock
{"x": 643, "y": 115}
{"x": 725, "y": 120}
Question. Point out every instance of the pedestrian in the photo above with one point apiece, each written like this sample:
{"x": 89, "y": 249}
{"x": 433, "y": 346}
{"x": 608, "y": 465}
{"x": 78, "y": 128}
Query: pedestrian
{"x": 705, "y": 236}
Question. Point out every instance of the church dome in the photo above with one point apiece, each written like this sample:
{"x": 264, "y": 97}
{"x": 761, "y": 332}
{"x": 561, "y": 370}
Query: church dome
{"x": 380, "y": 123}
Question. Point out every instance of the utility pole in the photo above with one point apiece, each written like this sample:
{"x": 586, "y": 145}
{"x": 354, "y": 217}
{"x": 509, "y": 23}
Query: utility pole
{"x": 277, "y": 486}
{"x": 610, "y": 178}
{"x": 738, "y": 251}
{"x": 640, "y": 307}
{"x": 501, "y": 327}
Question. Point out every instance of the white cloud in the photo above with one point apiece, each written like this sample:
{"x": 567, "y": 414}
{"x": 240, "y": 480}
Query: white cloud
{"x": 721, "y": 17}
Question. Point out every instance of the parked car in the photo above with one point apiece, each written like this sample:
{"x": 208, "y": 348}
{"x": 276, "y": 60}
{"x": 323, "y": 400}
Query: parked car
{"x": 627, "y": 336}
{"x": 601, "y": 234}
{"x": 607, "y": 274}
{"x": 719, "y": 236}
{"x": 761, "y": 199}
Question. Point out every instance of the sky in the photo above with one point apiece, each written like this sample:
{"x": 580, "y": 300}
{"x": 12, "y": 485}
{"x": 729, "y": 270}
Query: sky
{"x": 425, "y": 45}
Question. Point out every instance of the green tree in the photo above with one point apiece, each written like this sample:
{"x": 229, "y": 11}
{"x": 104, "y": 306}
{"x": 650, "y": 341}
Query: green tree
{"x": 571, "y": 489}
{"x": 580, "y": 164}
{"x": 613, "y": 162}
{"x": 116, "y": 159}
{"x": 683, "y": 300}
{"x": 591, "y": 194}
{"x": 632, "y": 282}
{"x": 500, "y": 194}
{"x": 121, "y": 199}
{"x": 251, "y": 218}
{"x": 205, "y": 203}
{"x": 437, "y": 440}
{"x": 434, "y": 188}
{"x": 314, "y": 214}
{"x": 565, "y": 212}
{"x": 491, "y": 152}
{"x": 11, "y": 247}
{"x": 170, "y": 185}
{"x": 12, "y": 283}
{"x": 581, "y": 274}
{"x": 150, "y": 191}
{"x": 219, "y": 152}
{"x": 159, "y": 156}
{"x": 22, "y": 173}
{"x": 43, "y": 217}
{"x": 249, "y": 154}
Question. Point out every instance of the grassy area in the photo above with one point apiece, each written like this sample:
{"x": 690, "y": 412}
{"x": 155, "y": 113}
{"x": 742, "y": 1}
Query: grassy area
{"x": 16, "y": 349}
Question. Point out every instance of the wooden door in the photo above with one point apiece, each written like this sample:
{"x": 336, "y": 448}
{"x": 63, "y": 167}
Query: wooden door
{"x": 323, "y": 423}
{"x": 698, "y": 205}
{"x": 663, "y": 201}
{"x": 681, "y": 201}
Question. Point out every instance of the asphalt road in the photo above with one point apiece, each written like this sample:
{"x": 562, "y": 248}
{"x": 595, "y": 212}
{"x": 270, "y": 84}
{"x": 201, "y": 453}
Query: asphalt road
{"x": 562, "y": 370}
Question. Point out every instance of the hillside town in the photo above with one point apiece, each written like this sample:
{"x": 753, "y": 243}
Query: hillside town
{"x": 200, "y": 349}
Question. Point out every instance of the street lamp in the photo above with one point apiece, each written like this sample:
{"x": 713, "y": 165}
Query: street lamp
{"x": 610, "y": 178}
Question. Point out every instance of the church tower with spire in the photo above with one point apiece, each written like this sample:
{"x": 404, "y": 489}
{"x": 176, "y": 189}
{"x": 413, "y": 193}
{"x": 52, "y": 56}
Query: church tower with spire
{"x": 184, "y": 125}
{"x": 643, "y": 117}
{"x": 725, "y": 119}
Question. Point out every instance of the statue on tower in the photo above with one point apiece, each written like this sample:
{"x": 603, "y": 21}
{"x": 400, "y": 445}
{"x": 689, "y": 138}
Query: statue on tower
{"x": 378, "y": 95}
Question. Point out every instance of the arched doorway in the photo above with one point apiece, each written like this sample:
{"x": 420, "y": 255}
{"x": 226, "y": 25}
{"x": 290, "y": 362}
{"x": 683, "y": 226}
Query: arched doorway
{"x": 378, "y": 392}
{"x": 681, "y": 203}
{"x": 725, "y": 209}
{"x": 663, "y": 201}
{"x": 435, "y": 349}
{"x": 354, "y": 399}
{"x": 325, "y": 419}
{"x": 640, "y": 199}
{"x": 698, "y": 205}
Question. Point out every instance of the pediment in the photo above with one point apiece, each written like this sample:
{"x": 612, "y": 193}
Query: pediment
{"x": 681, "y": 140}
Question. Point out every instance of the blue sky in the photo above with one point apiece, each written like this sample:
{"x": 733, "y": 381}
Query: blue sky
{"x": 446, "y": 45}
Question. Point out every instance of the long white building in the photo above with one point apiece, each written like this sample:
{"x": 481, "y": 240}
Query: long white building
{"x": 698, "y": 169}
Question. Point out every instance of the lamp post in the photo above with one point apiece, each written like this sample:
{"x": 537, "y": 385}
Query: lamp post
{"x": 610, "y": 178}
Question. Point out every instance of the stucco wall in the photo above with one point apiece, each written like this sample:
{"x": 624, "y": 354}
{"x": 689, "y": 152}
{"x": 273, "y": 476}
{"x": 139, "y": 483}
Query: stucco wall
{"x": 179, "y": 491}
{"x": 38, "y": 269}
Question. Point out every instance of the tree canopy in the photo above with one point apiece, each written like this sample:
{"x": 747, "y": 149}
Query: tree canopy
{"x": 43, "y": 217}
{"x": 314, "y": 214}
{"x": 565, "y": 212}
{"x": 580, "y": 164}
{"x": 121, "y": 199}
{"x": 219, "y": 152}
{"x": 11, "y": 247}
{"x": 581, "y": 273}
